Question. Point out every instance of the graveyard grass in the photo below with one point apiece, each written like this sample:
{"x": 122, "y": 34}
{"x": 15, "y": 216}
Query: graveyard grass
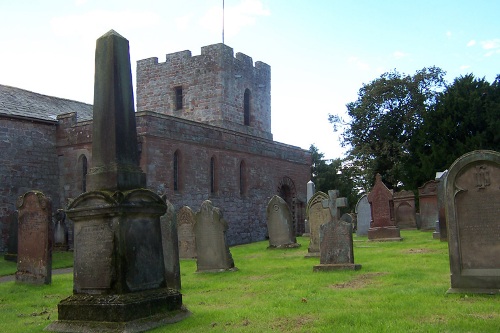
{"x": 400, "y": 288}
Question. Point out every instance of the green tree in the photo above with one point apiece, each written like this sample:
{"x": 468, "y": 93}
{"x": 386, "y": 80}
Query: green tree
{"x": 384, "y": 121}
{"x": 466, "y": 118}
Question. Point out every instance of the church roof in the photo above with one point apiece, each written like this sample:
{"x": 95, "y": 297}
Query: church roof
{"x": 17, "y": 102}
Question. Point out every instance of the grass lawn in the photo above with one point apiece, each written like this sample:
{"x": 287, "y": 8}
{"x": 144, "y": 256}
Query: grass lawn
{"x": 400, "y": 288}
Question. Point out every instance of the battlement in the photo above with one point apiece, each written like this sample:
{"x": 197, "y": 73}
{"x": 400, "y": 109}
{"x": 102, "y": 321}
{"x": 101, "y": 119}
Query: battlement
{"x": 219, "y": 53}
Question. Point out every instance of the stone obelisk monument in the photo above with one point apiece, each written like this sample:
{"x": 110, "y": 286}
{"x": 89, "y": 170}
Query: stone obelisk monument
{"x": 119, "y": 276}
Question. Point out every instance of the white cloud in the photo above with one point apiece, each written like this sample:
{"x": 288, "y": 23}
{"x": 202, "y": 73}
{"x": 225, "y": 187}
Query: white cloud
{"x": 361, "y": 65}
{"x": 448, "y": 34}
{"x": 182, "y": 23}
{"x": 471, "y": 43}
{"x": 235, "y": 17}
{"x": 399, "y": 54}
{"x": 464, "y": 67}
{"x": 491, "y": 44}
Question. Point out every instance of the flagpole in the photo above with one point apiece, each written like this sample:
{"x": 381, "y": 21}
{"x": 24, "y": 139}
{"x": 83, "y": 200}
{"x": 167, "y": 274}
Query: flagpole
{"x": 222, "y": 21}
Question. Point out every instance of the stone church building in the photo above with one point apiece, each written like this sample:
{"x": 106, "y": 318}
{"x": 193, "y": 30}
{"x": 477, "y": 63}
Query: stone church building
{"x": 204, "y": 132}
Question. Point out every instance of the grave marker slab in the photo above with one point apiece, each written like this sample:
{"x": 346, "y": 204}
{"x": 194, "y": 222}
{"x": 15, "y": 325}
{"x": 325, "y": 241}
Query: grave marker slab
{"x": 363, "y": 216}
{"x": 60, "y": 231}
{"x": 211, "y": 242}
{"x": 316, "y": 215}
{"x": 280, "y": 224}
{"x": 472, "y": 196}
{"x": 34, "y": 256}
{"x": 170, "y": 245}
{"x": 442, "y": 232}
{"x": 427, "y": 195}
{"x": 404, "y": 208}
{"x": 382, "y": 225}
{"x": 185, "y": 229}
{"x": 336, "y": 243}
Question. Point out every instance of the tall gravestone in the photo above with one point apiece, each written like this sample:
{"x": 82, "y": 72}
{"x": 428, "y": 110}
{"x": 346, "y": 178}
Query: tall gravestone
{"x": 280, "y": 224}
{"x": 310, "y": 190}
{"x": 336, "y": 243}
{"x": 60, "y": 231}
{"x": 119, "y": 280}
{"x": 34, "y": 255}
{"x": 472, "y": 196}
{"x": 213, "y": 254}
{"x": 428, "y": 201}
{"x": 363, "y": 216}
{"x": 382, "y": 226}
{"x": 185, "y": 230}
{"x": 170, "y": 244}
{"x": 11, "y": 253}
{"x": 404, "y": 209}
{"x": 316, "y": 215}
{"x": 441, "y": 232}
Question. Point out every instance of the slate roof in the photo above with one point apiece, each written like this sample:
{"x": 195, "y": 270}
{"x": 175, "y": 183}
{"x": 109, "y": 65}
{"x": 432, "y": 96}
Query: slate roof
{"x": 17, "y": 102}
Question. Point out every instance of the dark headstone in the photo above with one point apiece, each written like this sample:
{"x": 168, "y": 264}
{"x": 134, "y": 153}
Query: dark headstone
{"x": 280, "y": 224}
{"x": 382, "y": 225}
{"x": 316, "y": 216}
{"x": 211, "y": 242}
{"x": 34, "y": 257}
{"x": 336, "y": 243}
{"x": 428, "y": 201}
{"x": 119, "y": 280}
{"x": 349, "y": 218}
{"x": 472, "y": 196}
{"x": 11, "y": 254}
{"x": 185, "y": 231}
{"x": 404, "y": 208}
{"x": 170, "y": 247}
{"x": 363, "y": 216}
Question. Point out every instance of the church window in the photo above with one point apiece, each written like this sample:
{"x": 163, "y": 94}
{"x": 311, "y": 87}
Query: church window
{"x": 213, "y": 178}
{"x": 242, "y": 178}
{"x": 84, "y": 173}
{"x": 178, "y": 97}
{"x": 246, "y": 108}
{"x": 176, "y": 170}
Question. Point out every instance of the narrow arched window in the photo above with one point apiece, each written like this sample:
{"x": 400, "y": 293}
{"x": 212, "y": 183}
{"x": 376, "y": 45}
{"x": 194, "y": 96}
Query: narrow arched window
{"x": 242, "y": 178}
{"x": 212, "y": 175}
{"x": 246, "y": 108}
{"x": 176, "y": 170}
{"x": 84, "y": 173}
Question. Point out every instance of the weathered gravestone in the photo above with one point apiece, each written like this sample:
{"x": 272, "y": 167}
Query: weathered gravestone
{"x": 316, "y": 215}
{"x": 119, "y": 274}
{"x": 382, "y": 225}
{"x": 336, "y": 244}
{"x": 404, "y": 208}
{"x": 441, "y": 233}
{"x": 280, "y": 224}
{"x": 363, "y": 216}
{"x": 11, "y": 253}
{"x": 34, "y": 256}
{"x": 349, "y": 218}
{"x": 170, "y": 246}
{"x": 60, "y": 231}
{"x": 212, "y": 250}
{"x": 472, "y": 196}
{"x": 185, "y": 230}
{"x": 427, "y": 196}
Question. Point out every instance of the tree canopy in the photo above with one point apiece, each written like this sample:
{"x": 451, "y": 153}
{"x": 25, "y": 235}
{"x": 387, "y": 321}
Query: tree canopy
{"x": 407, "y": 127}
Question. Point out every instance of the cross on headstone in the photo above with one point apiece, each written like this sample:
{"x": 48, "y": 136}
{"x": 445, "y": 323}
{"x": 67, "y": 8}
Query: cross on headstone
{"x": 334, "y": 203}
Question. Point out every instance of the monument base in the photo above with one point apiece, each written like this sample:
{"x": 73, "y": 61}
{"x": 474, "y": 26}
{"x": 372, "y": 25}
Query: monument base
{"x": 336, "y": 267}
{"x": 132, "y": 312}
{"x": 312, "y": 255}
{"x": 473, "y": 291}
{"x": 436, "y": 235}
{"x": 384, "y": 234}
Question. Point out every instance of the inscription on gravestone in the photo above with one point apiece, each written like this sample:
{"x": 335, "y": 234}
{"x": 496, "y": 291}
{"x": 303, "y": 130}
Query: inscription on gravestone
{"x": 363, "y": 216}
{"x": 185, "y": 230}
{"x": 280, "y": 224}
{"x": 382, "y": 225}
{"x": 472, "y": 196}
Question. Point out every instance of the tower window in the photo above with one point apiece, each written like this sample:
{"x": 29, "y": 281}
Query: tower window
{"x": 242, "y": 178}
{"x": 176, "y": 170}
{"x": 178, "y": 97}
{"x": 213, "y": 180}
{"x": 246, "y": 108}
